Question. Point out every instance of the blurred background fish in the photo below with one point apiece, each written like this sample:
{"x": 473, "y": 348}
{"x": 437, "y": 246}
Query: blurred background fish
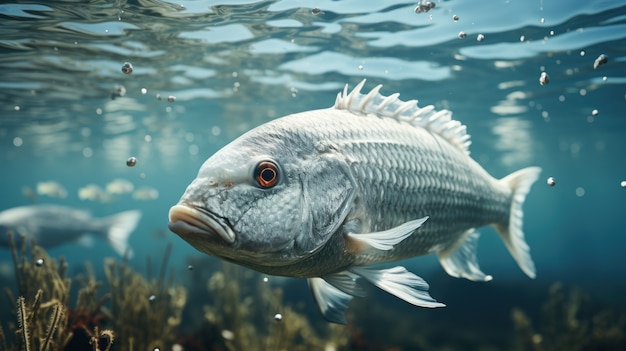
{"x": 52, "y": 189}
{"x": 146, "y": 193}
{"x": 52, "y": 225}
{"x": 94, "y": 192}
{"x": 120, "y": 186}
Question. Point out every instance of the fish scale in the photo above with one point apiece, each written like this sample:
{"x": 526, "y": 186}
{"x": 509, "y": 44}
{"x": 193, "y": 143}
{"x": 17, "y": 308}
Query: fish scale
{"x": 443, "y": 188}
{"x": 328, "y": 194}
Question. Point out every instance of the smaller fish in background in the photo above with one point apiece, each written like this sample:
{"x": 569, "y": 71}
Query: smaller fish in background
{"x": 52, "y": 225}
{"x": 146, "y": 193}
{"x": 52, "y": 189}
{"x": 120, "y": 186}
{"x": 94, "y": 192}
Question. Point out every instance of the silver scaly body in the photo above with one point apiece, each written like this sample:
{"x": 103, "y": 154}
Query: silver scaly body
{"x": 372, "y": 179}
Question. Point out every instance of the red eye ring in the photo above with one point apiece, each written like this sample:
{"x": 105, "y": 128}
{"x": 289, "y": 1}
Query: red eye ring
{"x": 266, "y": 174}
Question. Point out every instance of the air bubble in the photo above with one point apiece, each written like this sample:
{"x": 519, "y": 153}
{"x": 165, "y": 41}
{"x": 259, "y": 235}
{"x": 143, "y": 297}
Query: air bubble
{"x": 455, "y": 18}
{"x": 462, "y": 35}
{"x": 544, "y": 78}
{"x": 594, "y": 112}
{"x": 316, "y": 11}
{"x": 131, "y": 162}
{"x": 39, "y": 262}
{"x": 360, "y": 67}
{"x": 127, "y": 68}
{"x": 424, "y": 6}
{"x": 480, "y": 37}
{"x": 550, "y": 181}
{"x": 171, "y": 98}
{"x": 278, "y": 317}
{"x": 623, "y": 184}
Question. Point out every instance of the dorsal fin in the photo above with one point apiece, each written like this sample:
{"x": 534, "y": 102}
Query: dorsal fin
{"x": 438, "y": 122}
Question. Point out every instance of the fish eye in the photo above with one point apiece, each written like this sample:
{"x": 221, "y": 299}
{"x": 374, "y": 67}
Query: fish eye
{"x": 266, "y": 174}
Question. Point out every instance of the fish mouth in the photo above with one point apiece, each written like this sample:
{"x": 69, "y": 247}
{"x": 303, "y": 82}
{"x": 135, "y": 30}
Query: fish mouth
{"x": 191, "y": 220}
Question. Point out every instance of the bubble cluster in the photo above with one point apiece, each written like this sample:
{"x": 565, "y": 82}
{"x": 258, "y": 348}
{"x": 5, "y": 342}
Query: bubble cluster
{"x": 127, "y": 68}
{"x": 544, "y": 78}
{"x": 131, "y": 162}
{"x": 551, "y": 181}
{"x": 602, "y": 59}
{"x": 424, "y": 6}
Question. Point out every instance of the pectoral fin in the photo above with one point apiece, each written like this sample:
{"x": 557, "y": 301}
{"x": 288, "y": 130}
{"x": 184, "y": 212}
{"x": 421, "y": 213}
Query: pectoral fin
{"x": 386, "y": 239}
{"x": 401, "y": 283}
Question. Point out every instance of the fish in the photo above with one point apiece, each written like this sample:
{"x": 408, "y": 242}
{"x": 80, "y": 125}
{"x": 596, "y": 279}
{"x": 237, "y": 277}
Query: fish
{"x": 53, "y": 225}
{"x": 94, "y": 192}
{"x": 52, "y": 189}
{"x": 119, "y": 186}
{"x": 338, "y": 195}
{"x": 146, "y": 193}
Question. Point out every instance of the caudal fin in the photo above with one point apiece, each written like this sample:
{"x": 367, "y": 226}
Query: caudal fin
{"x": 513, "y": 236}
{"x": 121, "y": 226}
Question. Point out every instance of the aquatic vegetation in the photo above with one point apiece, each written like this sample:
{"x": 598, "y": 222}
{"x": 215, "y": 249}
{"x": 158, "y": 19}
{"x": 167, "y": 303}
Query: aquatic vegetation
{"x": 45, "y": 320}
{"x": 146, "y": 311}
{"x": 571, "y": 321}
{"x": 242, "y": 313}
{"x": 41, "y": 309}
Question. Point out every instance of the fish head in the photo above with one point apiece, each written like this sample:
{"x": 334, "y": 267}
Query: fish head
{"x": 263, "y": 201}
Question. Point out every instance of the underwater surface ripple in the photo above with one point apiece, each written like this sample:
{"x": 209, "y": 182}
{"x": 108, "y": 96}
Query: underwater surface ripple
{"x": 204, "y": 72}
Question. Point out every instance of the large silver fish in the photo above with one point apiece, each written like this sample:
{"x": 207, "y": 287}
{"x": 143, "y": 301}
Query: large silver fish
{"x": 326, "y": 194}
{"x": 52, "y": 225}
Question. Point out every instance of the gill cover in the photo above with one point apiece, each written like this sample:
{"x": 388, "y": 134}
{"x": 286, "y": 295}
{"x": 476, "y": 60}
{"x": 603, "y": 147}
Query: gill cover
{"x": 327, "y": 190}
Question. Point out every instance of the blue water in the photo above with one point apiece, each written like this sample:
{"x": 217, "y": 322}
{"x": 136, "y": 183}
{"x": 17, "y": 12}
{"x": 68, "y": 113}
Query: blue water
{"x": 232, "y": 65}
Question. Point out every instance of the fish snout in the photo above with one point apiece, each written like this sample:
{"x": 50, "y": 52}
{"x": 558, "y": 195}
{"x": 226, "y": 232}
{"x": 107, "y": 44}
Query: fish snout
{"x": 188, "y": 220}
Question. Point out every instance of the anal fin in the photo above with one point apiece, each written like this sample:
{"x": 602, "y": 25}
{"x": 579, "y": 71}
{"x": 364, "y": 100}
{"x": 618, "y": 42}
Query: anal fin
{"x": 460, "y": 259}
{"x": 333, "y": 292}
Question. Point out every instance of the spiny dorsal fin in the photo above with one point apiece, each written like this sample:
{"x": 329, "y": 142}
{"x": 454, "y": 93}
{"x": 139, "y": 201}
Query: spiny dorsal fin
{"x": 438, "y": 122}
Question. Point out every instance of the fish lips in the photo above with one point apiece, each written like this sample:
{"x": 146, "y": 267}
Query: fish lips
{"x": 188, "y": 220}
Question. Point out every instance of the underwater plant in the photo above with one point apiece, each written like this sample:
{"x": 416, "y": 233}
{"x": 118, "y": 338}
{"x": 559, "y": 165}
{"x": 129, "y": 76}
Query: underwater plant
{"x": 41, "y": 309}
{"x": 571, "y": 321}
{"x": 245, "y": 312}
{"x": 146, "y": 312}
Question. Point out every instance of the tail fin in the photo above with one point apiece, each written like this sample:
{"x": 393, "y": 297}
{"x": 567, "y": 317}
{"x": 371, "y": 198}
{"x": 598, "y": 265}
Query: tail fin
{"x": 513, "y": 236}
{"x": 120, "y": 227}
